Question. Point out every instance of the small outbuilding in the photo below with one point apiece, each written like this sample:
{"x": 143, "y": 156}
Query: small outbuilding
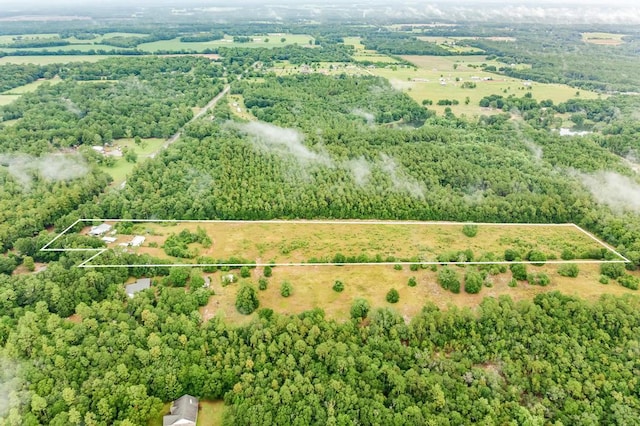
{"x": 137, "y": 241}
{"x": 99, "y": 230}
{"x": 138, "y": 286}
{"x": 184, "y": 412}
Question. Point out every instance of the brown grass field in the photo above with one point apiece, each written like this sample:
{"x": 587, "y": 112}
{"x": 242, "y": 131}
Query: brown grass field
{"x": 300, "y": 241}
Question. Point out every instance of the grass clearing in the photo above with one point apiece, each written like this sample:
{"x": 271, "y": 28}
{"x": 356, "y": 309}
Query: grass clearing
{"x": 238, "y": 108}
{"x": 356, "y": 42}
{"x": 603, "y": 39}
{"x": 7, "y": 99}
{"x": 121, "y": 168}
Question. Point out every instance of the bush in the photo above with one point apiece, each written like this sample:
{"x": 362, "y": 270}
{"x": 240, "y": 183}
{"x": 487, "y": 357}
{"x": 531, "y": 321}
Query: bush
{"x": 178, "y": 277}
{"x": 359, "y": 309}
{"x": 629, "y": 281}
{"x": 473, "y": 282}
{"x": 412, "y": 282}
{"x": 538, "y": 278}
{"x": 536, "y": 257}
{"x": 569, "y": 270}
{"x": 510, "y": 255}
{"x": 286, "y": 289}
{"x": 513, "y": 282}
{"x": 397, "y": 267}
{"x": 267, "y": 271}
{"x": 414, "y": 267}
{"x": 28, "y": 263}
{"x": 448, "y": 279}
{"x": 228, "y": 279}
{"x": 263, "y": 283}
{"x": 470, "y": 230}
{"x": 338, "y": 286}
{"x": 247, "y": 300}
{"x": 393, "y": 296}
{"x": 245, "y": 272}
{"x": 603, "y": 279}
{"x": 612, "y": 270}
{"x": 567, "y": 255}
{"x": 519, "y": 271}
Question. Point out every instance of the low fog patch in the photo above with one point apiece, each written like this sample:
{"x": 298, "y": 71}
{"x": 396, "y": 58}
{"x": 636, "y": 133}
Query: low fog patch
{"x": 613, "y": 189}
{"x": 51, "y": 167}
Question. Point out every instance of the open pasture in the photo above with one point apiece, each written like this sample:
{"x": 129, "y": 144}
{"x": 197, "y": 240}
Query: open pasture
{"x": 442, "y": 77}
{"x": 269, "y": 40}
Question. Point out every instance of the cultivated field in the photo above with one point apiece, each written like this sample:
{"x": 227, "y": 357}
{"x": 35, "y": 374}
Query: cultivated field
{"x": 52, "y": 59}
{"x": 605, "y": 39}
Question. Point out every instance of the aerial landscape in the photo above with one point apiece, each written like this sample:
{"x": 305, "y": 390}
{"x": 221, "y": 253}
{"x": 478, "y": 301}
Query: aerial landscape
{"x": 259, "y": 213}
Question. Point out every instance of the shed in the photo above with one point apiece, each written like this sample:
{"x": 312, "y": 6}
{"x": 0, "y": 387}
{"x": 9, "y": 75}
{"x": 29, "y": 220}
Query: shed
{"x": 101, "y": 229}
{"x": 137, "y": 241}
{"x": 184, "y": 412}
{"x": 141, "y": 284}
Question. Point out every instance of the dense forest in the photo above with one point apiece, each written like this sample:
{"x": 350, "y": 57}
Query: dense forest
{"x": 75, "y": 349}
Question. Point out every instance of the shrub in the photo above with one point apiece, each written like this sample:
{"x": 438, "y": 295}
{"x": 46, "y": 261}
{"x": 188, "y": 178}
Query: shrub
{"x": 510, "y": 255}
{"x": 612, "y": 270}
{"x": 567, "y": 254}
{"x": 265, "y": 314}
{"x": 338, "y": 286}
{"x": 629, "y": 281}
{"x": 414, "y": 267}
{"x": 448, "y": 279}
{"x": 359, "y": 309}
{"x": 286, "y": 289}
{"x": 397, "y": 267}
{"x": 28, "y": 263}
{"x": 519, "y": 271}
{"x": 267, "y": 271}
{"x": 228, "y": 279}
{"x": 247, "y": 300}
{"x": 245, "y": 272}
{"x": 263, "y": 283}
{"x": 470, "y": 230}
{"x": 538, "y": 278}
{"x": 513, "y": 282}
{"x": 393, "y": 296}
{"x": 178, "y": 277}
{"x": 537, "y": 258}
{"x": 569, "y": 270}
{"x": 603, "y": 279}
{"x": 412, "y": 282}
{"x": 472, "y": 282}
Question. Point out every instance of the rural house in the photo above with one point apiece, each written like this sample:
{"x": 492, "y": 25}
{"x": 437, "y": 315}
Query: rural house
{"x": 184, "y": 412}
{"x": 101, "y": 229}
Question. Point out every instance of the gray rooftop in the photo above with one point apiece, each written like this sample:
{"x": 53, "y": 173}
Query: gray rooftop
{"x": 184, "y": 411}
{"x": 141, "y": 284}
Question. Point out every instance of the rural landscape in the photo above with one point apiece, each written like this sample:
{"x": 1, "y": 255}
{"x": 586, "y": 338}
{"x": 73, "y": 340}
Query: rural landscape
{"x": 333, "y": 215}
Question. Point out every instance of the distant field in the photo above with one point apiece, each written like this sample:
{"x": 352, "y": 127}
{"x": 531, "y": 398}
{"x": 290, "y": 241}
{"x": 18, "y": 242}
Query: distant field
{"x": 52, "y": 59}
{"x": 451, "y": 44}
{"x": 605, "y": 39}
{"x": 356, "y": 42}
{"x": 32, "y": 87}
{"x": 274, "y": 40}
{"x": 425, "y": 83}
{"x": 327, "y": 68}
{"x": 373, "y": 57}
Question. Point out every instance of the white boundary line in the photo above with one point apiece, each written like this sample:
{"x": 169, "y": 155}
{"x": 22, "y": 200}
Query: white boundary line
{"x": 99, "y": 251}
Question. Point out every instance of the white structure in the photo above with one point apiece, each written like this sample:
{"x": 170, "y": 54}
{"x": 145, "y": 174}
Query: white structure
{"x": 109, "y": 240}
{"x": 141, "y": 284}
{"x": 102, "y": 229}
{"x": 137, "y": 241}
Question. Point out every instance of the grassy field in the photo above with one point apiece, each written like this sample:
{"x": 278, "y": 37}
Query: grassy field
{"x": 300, "y": 242}
{"x": 605, "y": 39}
{"x": 451, "y": 44}
{"x": 435, "y": 79}
{"x": 275, "y": 40}
{"x": 356, "y": 42}
{"x": 121, "y": 169}
{"x": 237, "y": 107}
{"x": 52, "y": 59}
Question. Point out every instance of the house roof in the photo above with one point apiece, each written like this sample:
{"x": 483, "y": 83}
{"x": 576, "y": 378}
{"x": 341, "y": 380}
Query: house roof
{"x": 141, "y": 284}
{"x": 183, "y": 411}
{"x": 100, "y": 229}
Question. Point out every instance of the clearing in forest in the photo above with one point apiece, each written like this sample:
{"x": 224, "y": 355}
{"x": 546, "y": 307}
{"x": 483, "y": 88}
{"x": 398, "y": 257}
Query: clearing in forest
{"x": 333, "y": 242}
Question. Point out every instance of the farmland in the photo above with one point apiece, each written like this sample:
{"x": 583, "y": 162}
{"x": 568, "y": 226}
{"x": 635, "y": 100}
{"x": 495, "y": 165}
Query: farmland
{"x": 604, "y": 39}
{"x": 269, "y": 41}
